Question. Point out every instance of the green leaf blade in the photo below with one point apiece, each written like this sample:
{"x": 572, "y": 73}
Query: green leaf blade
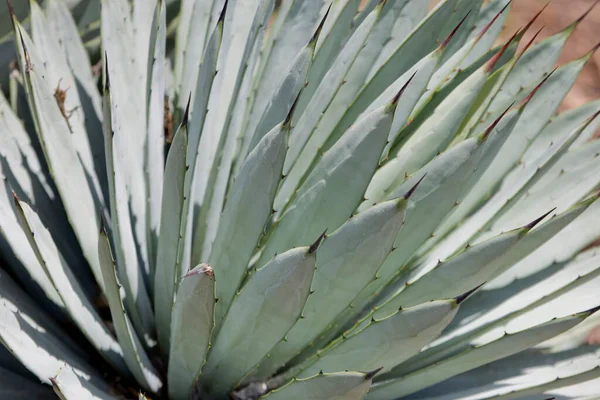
{"x": 191, "y": 327}
{"x": 168, "y": 261}
{"x": 269, "y": 304}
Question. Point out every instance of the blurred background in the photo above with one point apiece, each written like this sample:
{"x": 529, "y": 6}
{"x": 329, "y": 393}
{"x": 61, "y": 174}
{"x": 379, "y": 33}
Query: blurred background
{"x": 557, "y": 15}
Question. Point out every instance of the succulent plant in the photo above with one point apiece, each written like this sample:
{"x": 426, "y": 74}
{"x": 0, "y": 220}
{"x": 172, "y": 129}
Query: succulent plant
{"x": 319, "y": 200}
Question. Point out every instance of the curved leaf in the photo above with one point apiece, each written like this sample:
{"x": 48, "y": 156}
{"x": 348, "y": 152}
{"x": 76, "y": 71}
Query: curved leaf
{"x": 135, "y": 356}
{"x": 80, "y": 309}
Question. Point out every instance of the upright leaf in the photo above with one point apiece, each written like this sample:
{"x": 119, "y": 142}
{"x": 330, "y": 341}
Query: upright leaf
{"x": 268, "y": 305}
{"x": 191, "y": 326}
{"x": 346, "y": 261}
{"x": 333, "y": 190}
{"x": 206, "y": 74}
{"x": 168, "y": 261}
{"x": 80, "y": 309}
{"x": 305, "y": 123}
{"x": 127, "y": 50}
{"x": 246, "y": 213}
{"x": 216, "y": 146}
{"x": 153, "y": 162}
{"x": 61, "y": 155}
{"x": 131, "y": 275}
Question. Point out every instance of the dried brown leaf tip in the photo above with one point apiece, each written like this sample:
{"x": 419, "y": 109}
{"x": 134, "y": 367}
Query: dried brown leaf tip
{"x": 61, "y": 96}
{"x": 28, "y": 63}
{"x": 493, "y": 21}
{"x": 531, "y": 41}
{"x": 585, "y": 14}
{"x": 15, "y": 198}
{"x": 489, "y": 67}
{"x": 13, "y": 66}
{"x": 532, "y": 21}
{"x": 528, "y": 98}
{"x": 490, "y": 128}
{"x": 451, "y": 35}
{"x": 202, "y": 269}
{"x": 97, "y": 68}
{"x": 168, "y": 122}
{"x": 11, "y": 10}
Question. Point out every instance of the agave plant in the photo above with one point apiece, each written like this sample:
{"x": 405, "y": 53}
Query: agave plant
{"x": 357, "y": 201}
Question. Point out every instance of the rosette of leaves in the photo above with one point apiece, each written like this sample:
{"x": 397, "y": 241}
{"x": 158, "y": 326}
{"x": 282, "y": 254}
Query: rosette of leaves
{"x": 316, "y": 201}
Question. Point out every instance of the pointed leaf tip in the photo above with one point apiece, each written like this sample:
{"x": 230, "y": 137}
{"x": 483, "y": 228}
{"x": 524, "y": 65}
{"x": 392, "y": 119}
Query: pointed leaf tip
{"x": 102, "y": 227}
{"x": 592, "y": 310}
{"x": 533, "y": 223}
{"x": 28, "y": 64}
{"x": 585, "y": 14}
{"x": 528, "y": 45}
{"x": 531, "y": 22}
{"x": 593, "y": 117}
{"x": 396, "y": 98}
{"x": 186, "y": 114}
{"x": 494, "y": 60}
{"x": 371, "y": 375}
{"x": 313, "y": 247}
{"x": 11, "y": 10}
{"x": 535, "y": 89}
{"x": 315, "y": 37}
{"x": 415, "y": 186}
{"x": 593, "y": 50}
{"x": 489, "y": 24}
{"x": 287, "y": 122}
{"x": 451, "y": 35}
{"x": 490, "y": 128}
{"x": 223, "y": 12}
{"x": 460, "y": 299}
{"x": 106, "y": 74}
